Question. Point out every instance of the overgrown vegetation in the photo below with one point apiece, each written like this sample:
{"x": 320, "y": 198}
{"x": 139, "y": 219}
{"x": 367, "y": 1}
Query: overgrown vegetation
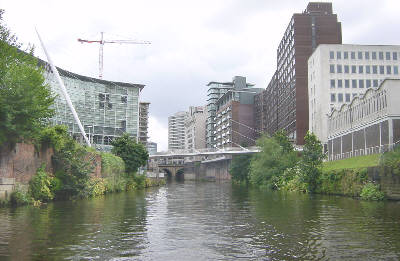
{"x": 371, "y": 191}
{"x": 25, "y": 99}
{"x": 240, "y": 168}
{"x": 391, "y": 160}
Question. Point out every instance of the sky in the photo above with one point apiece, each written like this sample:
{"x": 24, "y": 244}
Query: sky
{"x": 192, "y": 42}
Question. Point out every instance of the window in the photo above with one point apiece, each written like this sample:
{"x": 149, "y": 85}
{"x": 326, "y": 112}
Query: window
{"x": 354, "y": 83}
{"x": 360, "y": 69}
{"x": 373, "y": 55}
{"x": 340, "y": 97}
{"x": 339, "y": 83}
{"x": 359, "y": 55}
{"x": 380, "y": 55}
{"x": 338, "y": 55}
{"x": 353, "y": 69}
{"x": 345, "y": 55}
{"x": 375, "y": 82}
{"x": 124, "y": 99}
{"x": 347, "y": 97}
{"x": 346, "y": 69}
{"x": 395, "y": 69}
{"x": 368, "y": 83}
{"x": 367, "y": 69}
{"x": 394, "y": 56}
{"x": 332, "y": 83}
{"x": 339, "y": 68}
{"x": 333, "y": 97}
{"x": 366, "y": 55}
{"x": 388, "y": 56}
{"x": 331, "y": 55}
{"x": 388, "y": 69}
{"x": 332, "y": 68}
{"x": 353, "y": 55}
{"x": 381, "y": 69}
{"x": 361, "y": 83}
{"x": 347, "y": 83}
{"x": 374, "y": 69}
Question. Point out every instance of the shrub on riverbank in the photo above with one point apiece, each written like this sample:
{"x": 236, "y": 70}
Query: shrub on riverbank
{"x": 371, "y": 191}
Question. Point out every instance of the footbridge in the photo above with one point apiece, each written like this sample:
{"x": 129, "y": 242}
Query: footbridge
{"x": 194, "y": 164}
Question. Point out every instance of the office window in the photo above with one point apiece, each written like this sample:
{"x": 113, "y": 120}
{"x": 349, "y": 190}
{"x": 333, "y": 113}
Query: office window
{"x": 340, "y": 97}
{"x": 366, "y": 55}
{"x": 381, "y": 69}
{"x": 360, "y": 69}
{"x": 346, "y": 69}
{"x": 380, "y": 55}
{"x": 333, "y": 97}
{"x": 331, "y": 55}
{"x": 354, "y": 83}
{"x": 395, "y": 69}
{"x": 374, "y": 69}
{"x": 353, "y": 55}
{"x": 388, "y": 69}
{"x": 394, "y": 56}
{"x": 359, "y": 55}
{"x": 367, "y": 69}
{"x": 373, "y": 55}
{"x": 339, "y": 68}
{"x": 347, "y": 97}
{"x": 346, "y": 83}
{"x": 332, "y": 68}
{"x": 375, "y": 83}
{"x": 353, "y": 69}
{"x": 338, "y": 55}
{"x": 345, "y": 55}
{"x": 332, "y": 83}
{"x": 388, "y": 56}
{"x": 368, "y": 83}
{"x": 339, "y": 83}
{"x": 361, "y": 83}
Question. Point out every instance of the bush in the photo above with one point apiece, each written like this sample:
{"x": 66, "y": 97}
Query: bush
{"x": 96, "y": 187}
{"x": 291, "y": 180}
{"x": 391, "y": 159}
{"x": 371, "y": 191}
{"x": 40, "y": 186}
{"x": 20, "y": 196}
{"x": 240, "y": 168}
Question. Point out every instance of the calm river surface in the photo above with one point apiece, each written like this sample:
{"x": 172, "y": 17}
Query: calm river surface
{"x": 203, "y": 221}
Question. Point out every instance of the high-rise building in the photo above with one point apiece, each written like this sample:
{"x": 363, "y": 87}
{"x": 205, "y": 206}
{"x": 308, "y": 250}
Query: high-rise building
{"x": 234, "y": 122}
{"x": 195, "y": 128}
{"x": 306, "y": 30}
{"x": 339, "y": 72}
{"x": 151, "y": 147}
{"x": 176, "y": 130}
{"x": 106, "y": 109}
{"x": 143, "y": 122}
{"x": 215, "y": 91}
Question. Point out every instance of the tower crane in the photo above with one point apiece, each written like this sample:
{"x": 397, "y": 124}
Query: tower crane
{"x": 102, "y": 42}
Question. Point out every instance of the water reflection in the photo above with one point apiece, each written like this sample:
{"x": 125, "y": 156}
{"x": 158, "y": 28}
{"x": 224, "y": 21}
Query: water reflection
{"x": 203, "y": 221}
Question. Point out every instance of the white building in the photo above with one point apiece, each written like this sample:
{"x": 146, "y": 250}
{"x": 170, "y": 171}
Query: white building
{"x": 339, "y": 72}
{"x": 369, "y": 124}
{"x": 176, "y": 130}
{"x": 195, "y": 128}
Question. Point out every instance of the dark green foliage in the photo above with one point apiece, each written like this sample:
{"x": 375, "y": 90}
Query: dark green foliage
{"x": 283, "y": 140}
{"x": 271, "y": 162}
{"x": 25, "y": 100}
{"x": 240, "y": 168}
{"x": 20, "y": 197}
{"x": 391, "y": 160}
{"x": 132, "y": 153}
{"x": 311, "y": 163}
{"x": 347, "y": 182}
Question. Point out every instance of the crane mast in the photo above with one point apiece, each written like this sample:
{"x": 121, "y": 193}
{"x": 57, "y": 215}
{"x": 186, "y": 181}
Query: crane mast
{"x": 102, "y": 42}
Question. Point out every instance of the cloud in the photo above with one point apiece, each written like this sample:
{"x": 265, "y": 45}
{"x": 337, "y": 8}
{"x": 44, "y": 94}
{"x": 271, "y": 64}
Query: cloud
{"x": 158, "y": 133}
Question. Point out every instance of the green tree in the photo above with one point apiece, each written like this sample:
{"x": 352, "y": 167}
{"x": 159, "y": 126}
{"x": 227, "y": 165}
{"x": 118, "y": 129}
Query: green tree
{"x": 25, "y": 99}
{"x": 312, "y": 160}
{"x": 283, "y": 140}
{"x": 267, "y": 165}
{"x": 132, "y": 153}
{"x": 240, "y": 168}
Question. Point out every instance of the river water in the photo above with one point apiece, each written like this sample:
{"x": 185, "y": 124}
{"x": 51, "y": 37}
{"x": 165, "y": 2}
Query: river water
{"x": 203, "y": 221}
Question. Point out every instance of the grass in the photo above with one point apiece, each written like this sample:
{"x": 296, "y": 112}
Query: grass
{"x": 352, "y": 163}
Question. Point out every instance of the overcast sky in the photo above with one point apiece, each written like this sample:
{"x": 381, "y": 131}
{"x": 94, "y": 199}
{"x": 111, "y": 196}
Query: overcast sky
{"x": 193, "y": 42}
